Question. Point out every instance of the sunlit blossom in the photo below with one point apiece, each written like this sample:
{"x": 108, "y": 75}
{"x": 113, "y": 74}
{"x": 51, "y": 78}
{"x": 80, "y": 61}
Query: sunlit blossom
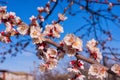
{"x": 47, "y": 9}
{"x": 35, "y": 31}
{"x": 18, "y": 20}
{"x": 40, "y": 9}
{"x": 93, "y": 50}
{"x": 91, "y": 43}
{"x": 2, "y": 12}
{"x": 70, "y": 51}
{"x": 58, "y": 28}
{"x": 72, "y": 44}
{"x": 3, "y": 9}
{"x": 12, "y": 15}
{"x": 77, "y": 44}
{"x": 4, "y": 39}
{"x": 52, "y": 63}
{"x": 116, "y": 68}
{"x": 13, "y": 32}
{"x": 74, "y": 70}
{"x": 32, "y": 18}
{"x": 62, "y": 17}
{"x": 56, "y": 34}
{"x": 51, "y": 52}
{"x": 69, "y": 39}
{"x": 95, "y": 53}
{"x": 53, "y": 30}
{"x": 97, "y": 71}
{"x": 77, "y": 63}
{"x": 23, "y": 28}
{"x": 43, "y": 67}
{"x": 53, "y": 0}
{"x": 41, "y": 18}
{"x": 94, "y": 70}
{"x": 102, "y": 73}
{"x": 80, "y": 77}
{"x": 39, "y": 39}
{"x": 8, "y": 27}
{"x": 48, "y": 30}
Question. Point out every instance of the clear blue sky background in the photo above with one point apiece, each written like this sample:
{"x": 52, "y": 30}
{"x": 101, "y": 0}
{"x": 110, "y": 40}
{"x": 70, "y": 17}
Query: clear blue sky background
{"x": 26, "y": 8}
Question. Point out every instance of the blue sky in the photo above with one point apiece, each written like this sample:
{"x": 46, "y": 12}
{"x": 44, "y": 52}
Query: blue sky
{"x": 27, "y": 8}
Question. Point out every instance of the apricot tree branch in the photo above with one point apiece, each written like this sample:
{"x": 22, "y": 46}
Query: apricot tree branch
{"x": 51, "y": 11}
{"x": 78, "y": 56}
{"x": 99, "y": 2}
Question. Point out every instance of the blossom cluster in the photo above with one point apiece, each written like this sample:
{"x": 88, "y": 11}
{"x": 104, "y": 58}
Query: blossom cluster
{"x": 76, "y": 65}
{"x": 10, "y": 20}
{"x": 53, "y": 30}
{"x": 35, "y": 31}
{"x": 45, "y": 9}
{"x": 93, "y": 50}
{"x": 71, "y": 44}
{"x": 50, "y": 59}
{"x": 97, "y": 71}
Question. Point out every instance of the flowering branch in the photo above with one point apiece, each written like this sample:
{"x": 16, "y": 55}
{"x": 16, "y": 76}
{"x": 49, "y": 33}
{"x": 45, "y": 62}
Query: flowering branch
{"x": 78, "y": 56}
{"x": 70, "y": 45}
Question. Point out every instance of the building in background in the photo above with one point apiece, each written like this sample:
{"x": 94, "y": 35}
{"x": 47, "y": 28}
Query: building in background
{"x": 9, "y": 75}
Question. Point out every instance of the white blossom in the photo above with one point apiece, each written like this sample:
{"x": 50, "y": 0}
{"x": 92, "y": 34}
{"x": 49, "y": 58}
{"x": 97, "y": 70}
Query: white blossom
{"x": 52, "y": 63}
{"x": 116, "y": 68}
{"x": 12, "y": 14}
{"x": 91, "y": 43}
{"x": 62, "y": 17}
{"x": 79, "y": 63}
{"x": 94, "y": 70}
{"x": 53, "y": 30}
{"x": 40, "y": 9}
{"x": 58, "y": 28}
{"x": 43, "y": 67}
{"x": 69, "y": 39}
{"x": 77, "y": 44}
{"x": 74, "y": 70}
{"x": 32, "y": 18}
{"x": 47, "y": 9}
{"x": 41, "y": 18}
{"x": 4, "y": 38}
{"x": 2, "y": 12}
{"x": 54, "y": 0}
{"x": 22, "y": 28}
{"x": 8, "y": 27}
{"x": 17, "y": 20}
{"x": 72, "y": 44}
{"x": 80, "y": 77}
{"x": 93, "y": 50}
{"x": 39, "y": 39}
{"x": 97, "y": 71}
{"x": 51, "y": 52}
{"x": 70, "y": 51}
{"x": 3, "y": 8}
{"x": 35, "y": 31}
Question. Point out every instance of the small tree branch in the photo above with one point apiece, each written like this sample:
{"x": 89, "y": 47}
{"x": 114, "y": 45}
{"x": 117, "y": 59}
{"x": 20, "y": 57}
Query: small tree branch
{"x": 99, "y": 2}
{"x": 78, "y": 56}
